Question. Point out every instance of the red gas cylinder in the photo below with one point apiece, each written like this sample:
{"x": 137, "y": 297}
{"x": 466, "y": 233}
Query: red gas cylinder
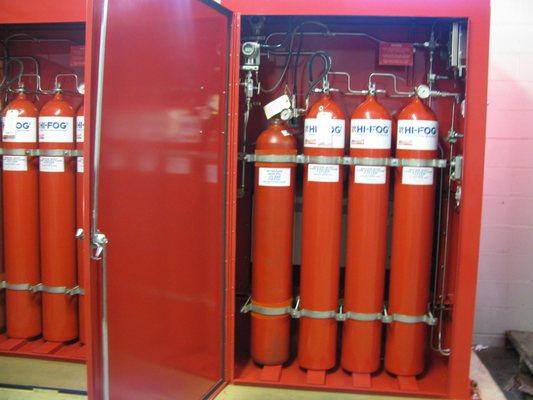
{"x": 412, "y": 238}
{"x": 272, "y": 246}
{"x": 366, "y": 246}
{"x": 321, "y": 237}
{"x": 21, "y": 219}
{"x": 58, "y": 220}
{"x": 80, "y": 207}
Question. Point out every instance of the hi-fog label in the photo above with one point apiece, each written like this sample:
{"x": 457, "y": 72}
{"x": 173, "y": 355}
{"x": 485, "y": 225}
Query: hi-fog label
{"x": 56, "y": 129}
{"x": 370, "y": 134}
{"x": 417, "y": 135}
{"x": 324, "y": 133}
{"x": 80, "y": 128}
{"x": 19, "y": 129}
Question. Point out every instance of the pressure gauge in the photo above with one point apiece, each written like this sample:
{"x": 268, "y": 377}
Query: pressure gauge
{"x": 252, "y": 55}
{"x": 423, "y": 91}
{"x": 286, "y": 114}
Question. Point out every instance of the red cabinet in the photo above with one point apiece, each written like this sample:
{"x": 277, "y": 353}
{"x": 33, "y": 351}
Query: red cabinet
{"x": 166, "y": 245}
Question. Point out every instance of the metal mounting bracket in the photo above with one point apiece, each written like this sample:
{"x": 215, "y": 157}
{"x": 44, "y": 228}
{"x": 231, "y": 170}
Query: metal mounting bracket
{"x": 99, "y": 242}
{"x": 456, "y": 168}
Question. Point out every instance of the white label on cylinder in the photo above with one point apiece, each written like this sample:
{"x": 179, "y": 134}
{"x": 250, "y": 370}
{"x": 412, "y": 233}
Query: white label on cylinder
{"x": 324, "y": 132}
{"x": 19, "y": 129}
{"x": 370, "y": 134}
{"x": 417, "y": 135}
{"x": 371, "y": 175}
{"x": 417, "y": 176}
{"x": 80, "y": 129}
{"x": 79, "y": 164}
{"x": 322, "y": 173}
{"x": 56, "y": 129}
{"x": 51, "y": 164}
{"x": 15, "y": 163}
{"x": 274, "y": 176}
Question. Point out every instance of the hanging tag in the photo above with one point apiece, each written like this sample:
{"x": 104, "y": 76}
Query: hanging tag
{"x": 324, "y": 137}
{"x": 10, "y": 124}
{"x": 277, "y": 106}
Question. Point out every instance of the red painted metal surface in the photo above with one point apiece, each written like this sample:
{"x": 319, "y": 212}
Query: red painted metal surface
{"x": 412, "y": 238}
{"x": 453, "y": 381}
{"x": 57, "y": 207}
{"x": 445, "y": 379}
{"x": 231, "y": 203}
{"x": 162, "y": 197}
{"x": 366, "y": 246}
{"x": 42, "y": 11}
{"x": 54, "y": 59}
{"x": 40, "y": 348}
{"x": 81, "y": 210}
{"x": 21, "y": 221}
{"x": 272, "y": 251}
{"x": 321, "y": 236}
{"x": 433, "y": 384}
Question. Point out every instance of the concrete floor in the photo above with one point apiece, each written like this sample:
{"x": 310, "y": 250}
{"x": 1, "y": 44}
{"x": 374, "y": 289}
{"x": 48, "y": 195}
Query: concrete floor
{"x": 488, "y": 386}
{"x": 502, "y": 364}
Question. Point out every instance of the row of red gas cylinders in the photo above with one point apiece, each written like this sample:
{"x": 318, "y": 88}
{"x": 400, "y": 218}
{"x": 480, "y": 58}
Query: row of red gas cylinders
{"x": 40, "y": 216}
{"x": 368, "y": 200}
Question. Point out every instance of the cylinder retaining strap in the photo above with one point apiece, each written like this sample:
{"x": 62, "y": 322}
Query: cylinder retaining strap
{"x": 39, "y": 287}
{"x": 428, "y": 319}
{"x": 339, "y": 315}
{"x": 357, "y": 316}
{"x": 249, "y": 306}
{"x": 42, "y": 152}
{"x": 304, "y": 313}
{"x": 341, "y": 160}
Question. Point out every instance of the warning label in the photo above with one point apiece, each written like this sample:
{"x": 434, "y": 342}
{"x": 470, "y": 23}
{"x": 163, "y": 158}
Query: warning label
{"x": 417, "y": 176}
{"x": 396, "y": 54}
{"x": 322, "y": 173}
{"x": 51, "y": 164}
{"x": 15, "y": 163}
{"x": 370, "y": 175}
{"x": 274, "y": 176}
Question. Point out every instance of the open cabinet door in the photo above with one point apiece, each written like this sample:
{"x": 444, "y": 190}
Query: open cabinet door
{"x": 160, "y": 191}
